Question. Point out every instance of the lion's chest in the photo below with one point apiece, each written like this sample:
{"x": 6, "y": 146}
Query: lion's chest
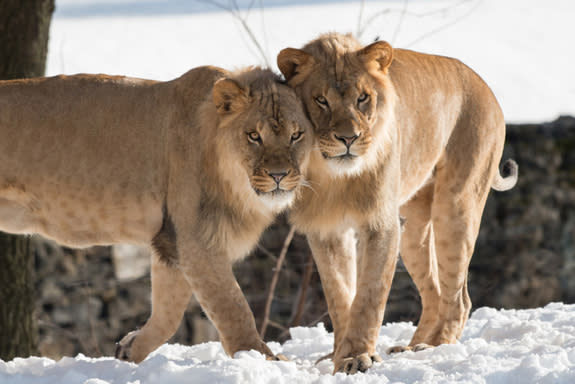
{"x": 230, "y": 228}
{"x": 334, "y": 206}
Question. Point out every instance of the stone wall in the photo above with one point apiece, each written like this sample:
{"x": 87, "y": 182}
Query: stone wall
{"x": 524, "y": 257}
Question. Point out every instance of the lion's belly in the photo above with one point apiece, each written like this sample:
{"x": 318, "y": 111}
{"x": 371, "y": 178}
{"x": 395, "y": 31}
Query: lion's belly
{"x": 80, "y": 218}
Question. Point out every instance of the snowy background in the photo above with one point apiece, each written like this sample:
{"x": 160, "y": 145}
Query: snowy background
{"x": 522, "y": 48}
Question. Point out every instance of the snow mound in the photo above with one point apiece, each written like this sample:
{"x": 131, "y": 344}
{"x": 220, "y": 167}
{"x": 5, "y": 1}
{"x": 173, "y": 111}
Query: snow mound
{"x": 497, "y": 346}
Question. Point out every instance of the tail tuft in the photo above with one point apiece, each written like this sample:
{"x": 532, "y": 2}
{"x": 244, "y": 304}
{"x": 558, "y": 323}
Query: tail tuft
{"x": 508, "y": 178}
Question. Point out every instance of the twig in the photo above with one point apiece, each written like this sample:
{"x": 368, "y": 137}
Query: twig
{"x": 303, "y": 291}
{"x": 368, "y": 22}
{"x": 274, "y": 281}
{"x": 444, "y": 26}
{"x": 254, "y": 40}
{"x": 398, "y": 26}
{"x": 320, "y": 318}
{"x": 405, "y": 12}
{"x": 272, "y": 323}
{"x": 358, "y": 31}
{"x": 267, "y": 252}
{"x": 234, "y": 10}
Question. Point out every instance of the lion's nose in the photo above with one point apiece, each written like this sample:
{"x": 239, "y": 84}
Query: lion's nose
{"x": 347, "y": 140}
{"x": 277, "y": 176}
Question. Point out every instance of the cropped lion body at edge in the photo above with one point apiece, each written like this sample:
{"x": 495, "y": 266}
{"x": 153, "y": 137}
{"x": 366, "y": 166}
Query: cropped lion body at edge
{"x": 399, "y": 133}
{"x": 80, "y": 159}
{"x": 94, "y": 159}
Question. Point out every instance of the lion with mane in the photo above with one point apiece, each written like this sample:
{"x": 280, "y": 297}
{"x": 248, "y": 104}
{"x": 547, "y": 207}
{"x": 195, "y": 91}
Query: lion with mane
{"x": 195, "y": 168}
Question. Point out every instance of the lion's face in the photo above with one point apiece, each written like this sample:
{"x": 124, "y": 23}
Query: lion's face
{"x": 339, "y": 83}
{"x": 269, "y": 133}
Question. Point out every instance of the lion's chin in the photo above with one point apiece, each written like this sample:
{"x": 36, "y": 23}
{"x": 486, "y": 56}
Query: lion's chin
{"x": 276, "y": 200}
{"x": 345, "y": 165}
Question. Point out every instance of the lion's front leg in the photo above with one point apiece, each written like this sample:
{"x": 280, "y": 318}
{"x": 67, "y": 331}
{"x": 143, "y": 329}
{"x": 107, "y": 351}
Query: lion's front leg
{"x": 220, "y": 296}
{"x": 378, "y": 250}
{"x": 335, "y": 257}
{"x": 170, "y": 296}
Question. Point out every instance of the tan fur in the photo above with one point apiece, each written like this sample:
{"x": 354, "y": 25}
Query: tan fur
{"x": 94, "y": 159}
{"x": 425, "y": 137}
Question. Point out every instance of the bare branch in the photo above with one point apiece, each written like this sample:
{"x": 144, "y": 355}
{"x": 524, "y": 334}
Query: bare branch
{"x": 274, "y": 281}
{"x": 404, "y": 12}
{"x": 254, "y": 41}
{"x": 444, "y": 26}
{"x": 235, "y": 11}
{"x": 371, "y": 20}
{"x": 320, "y": 318}
{"x": 308, "y": 271}
{"x": 216, "y": 4}
{"x": 276, "y": 325}
{"x": 398, "y": 26}
{"x": 358, "y": 30}
{"x": 267, "y": 252}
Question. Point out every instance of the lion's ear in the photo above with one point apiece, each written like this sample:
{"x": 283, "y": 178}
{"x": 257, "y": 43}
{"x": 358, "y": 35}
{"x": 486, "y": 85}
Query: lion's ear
{"x": 229, "y": 96}
{"x": 377, "y": 56}
{"x": 295, "y": 64}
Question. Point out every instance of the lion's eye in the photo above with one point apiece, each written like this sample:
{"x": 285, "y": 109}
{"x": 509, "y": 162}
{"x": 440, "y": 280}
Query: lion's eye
{"x": 255, "y": 137}
{"x": 296, "y": 136}
{"x": 322, "y": 101}
{"x": 362, "y": 98}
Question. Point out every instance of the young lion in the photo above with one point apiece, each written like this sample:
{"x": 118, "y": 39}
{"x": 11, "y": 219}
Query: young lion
{"x": 400, "y": 133}
{"x": 196, "y": 168}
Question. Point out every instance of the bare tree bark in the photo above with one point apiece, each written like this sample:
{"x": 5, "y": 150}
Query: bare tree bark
{"x": 18, "y": 331}
{"x": 24, "y": 29}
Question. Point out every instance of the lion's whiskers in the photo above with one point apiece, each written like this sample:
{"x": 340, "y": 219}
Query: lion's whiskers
{"x": 307, "y": 184}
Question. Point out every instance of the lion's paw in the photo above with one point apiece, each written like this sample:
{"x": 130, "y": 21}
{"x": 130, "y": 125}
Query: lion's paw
{"x": 124, "y": 347}
{"x": 398, "y": 349}
{"x": 421, "y": 347}
{"x": 360, "y": 363}
{"x": 278, "y": 357}
{"x": 404, "y": 348}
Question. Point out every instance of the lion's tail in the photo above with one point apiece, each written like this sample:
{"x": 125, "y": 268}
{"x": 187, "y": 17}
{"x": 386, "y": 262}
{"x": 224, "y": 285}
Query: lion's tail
{"x": 509, "y": 178}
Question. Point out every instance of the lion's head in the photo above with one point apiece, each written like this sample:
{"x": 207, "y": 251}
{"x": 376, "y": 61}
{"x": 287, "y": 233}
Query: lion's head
{"x": 342, "y": 85}
{"x": 268, "y": 131}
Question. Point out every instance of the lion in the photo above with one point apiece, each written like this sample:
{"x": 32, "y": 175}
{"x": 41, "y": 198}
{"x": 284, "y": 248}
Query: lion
{"x": 400, "y": 134}
{"x": 196, "y": 168}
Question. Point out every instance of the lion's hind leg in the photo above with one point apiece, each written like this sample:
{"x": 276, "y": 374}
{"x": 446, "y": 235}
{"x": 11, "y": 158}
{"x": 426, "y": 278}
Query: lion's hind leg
{"x": 418, "y": 255}
{"x": 462, "y": 184}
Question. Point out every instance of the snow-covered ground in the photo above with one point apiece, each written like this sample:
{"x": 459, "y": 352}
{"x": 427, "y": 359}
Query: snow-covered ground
{"x": 522, "y": 48}
{"x": 507, "y": 346}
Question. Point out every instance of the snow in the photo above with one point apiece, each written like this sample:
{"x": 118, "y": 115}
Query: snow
{"x": 522, "y": 48}
{"x": 497, "y": 346}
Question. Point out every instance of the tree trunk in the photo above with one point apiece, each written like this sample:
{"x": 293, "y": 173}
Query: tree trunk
{"x": 24, "y": 29}
{"x": 18, "y": 331}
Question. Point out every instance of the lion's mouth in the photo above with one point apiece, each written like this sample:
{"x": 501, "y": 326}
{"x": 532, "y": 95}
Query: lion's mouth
{"x": 277, "y": 199}
{"x": 344, "y": 157}
{"x": 278, "y": 192}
